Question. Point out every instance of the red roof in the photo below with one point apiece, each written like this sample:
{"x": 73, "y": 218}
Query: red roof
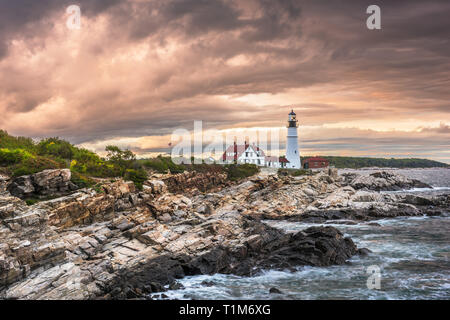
{"x": 237, "y": 150}
{"x": 283, "y": 159}
{"x": 271, "y": 159}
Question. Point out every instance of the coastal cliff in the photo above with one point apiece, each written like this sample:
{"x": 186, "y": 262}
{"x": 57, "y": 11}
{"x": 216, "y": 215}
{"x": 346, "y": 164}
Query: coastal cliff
{"x": 118, "y": 242}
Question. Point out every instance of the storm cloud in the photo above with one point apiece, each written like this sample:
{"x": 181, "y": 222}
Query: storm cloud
{"x": 137, "y": 70}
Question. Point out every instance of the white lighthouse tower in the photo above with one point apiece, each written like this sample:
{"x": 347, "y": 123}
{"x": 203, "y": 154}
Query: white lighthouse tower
{"x": 292, "y": 154}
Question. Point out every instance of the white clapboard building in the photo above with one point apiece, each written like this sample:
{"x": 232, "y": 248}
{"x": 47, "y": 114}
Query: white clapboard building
{"x": 252, "y": 154}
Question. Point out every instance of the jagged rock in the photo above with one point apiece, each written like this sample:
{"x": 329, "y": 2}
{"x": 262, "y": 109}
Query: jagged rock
{"x": 22, "y": 187}
{"x": 364, "y": 252}
{"x": 157, "y": 186}
{"x": 45, "y": 183}
{"x": 309, "y": 192}
{"x": 315, "y": 246}
{"x": 275, "y": 290}
{"x": 122, "y": 243}
{"x": 205, "y": 209}
{"x": 52, "y": 181}
{"x": 336, "y": 199}
{"x": 333, "y": 173}
{"x": 3, "y": 182}
{"x": 365, "y": 196}
{"x": 10, "y": 206}
{"x": 119, "y": 189}
{"x": 190, "y": 181}
{"x": 418, "y": 200}
{"x": 384, "y": 180}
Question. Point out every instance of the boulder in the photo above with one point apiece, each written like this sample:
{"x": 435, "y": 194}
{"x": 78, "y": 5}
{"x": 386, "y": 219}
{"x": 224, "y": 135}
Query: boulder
{"x": 309, "y": 192}
{"x": 275, "y": 290}
{"x": 384, "y": 180}
{"x": 3, "y": 182}
{"x": 365, "y": 196}
{"x": 192, "y": 181}
{"x": 333, "y": 173}
{"x": 46, "y": 183}
{"x": 156, "y": 186}
{"x": 119, "y": 189}
{"x": 22, "y": 187}
{"x": 417, "y": 200}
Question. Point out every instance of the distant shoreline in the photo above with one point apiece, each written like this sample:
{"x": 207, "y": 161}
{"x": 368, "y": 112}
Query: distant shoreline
{"x": 342, "y": 162}
{"x": 436, "y": 177}
{"x": 393, "y": 168}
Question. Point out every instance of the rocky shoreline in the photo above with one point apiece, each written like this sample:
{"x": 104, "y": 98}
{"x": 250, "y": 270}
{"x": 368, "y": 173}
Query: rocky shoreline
{"x": 121, "y": 243}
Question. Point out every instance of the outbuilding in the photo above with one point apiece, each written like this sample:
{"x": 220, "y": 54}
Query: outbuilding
{"x": 315, "y": 163}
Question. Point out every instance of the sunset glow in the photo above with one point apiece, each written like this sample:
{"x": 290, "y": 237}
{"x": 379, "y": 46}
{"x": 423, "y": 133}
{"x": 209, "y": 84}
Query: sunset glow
{"x": 137, "y": 70}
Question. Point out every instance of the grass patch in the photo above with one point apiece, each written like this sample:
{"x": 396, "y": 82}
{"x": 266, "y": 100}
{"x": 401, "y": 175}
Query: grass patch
{"x": 22, "y": 156}
{"x": 295, "y": 172}
{"x": 81, "y": 181}
{"x": 237, "y": 172}
{"x": 32, "y": 201}
{"x": 162, "y": 164}
{"x": 35, "y": 164}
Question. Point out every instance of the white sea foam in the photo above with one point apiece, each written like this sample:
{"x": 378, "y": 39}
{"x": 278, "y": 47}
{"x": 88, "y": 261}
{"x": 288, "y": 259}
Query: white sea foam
{"x": 418, "y": 190}
{"x": 402, "y": 248}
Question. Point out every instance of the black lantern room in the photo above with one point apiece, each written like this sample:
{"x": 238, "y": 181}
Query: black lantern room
{"x": 293, "y": 122}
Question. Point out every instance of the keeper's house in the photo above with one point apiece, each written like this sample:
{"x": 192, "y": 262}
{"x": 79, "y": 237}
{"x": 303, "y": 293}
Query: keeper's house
{"x": 241, "y": 154}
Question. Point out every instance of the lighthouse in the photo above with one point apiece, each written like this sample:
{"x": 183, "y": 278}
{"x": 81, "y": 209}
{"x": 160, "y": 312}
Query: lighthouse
{"x": 292, "y": 154}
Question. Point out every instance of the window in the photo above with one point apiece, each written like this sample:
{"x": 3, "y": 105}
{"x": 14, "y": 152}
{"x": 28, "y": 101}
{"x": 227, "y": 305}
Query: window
{"x": 246, "y": 154}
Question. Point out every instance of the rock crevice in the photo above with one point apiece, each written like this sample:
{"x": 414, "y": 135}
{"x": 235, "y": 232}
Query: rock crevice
{"x": 124, "y": 243}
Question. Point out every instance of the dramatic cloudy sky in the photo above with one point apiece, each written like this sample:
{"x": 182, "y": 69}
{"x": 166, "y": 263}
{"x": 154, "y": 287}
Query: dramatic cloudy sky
{"x": 138, "y": 69}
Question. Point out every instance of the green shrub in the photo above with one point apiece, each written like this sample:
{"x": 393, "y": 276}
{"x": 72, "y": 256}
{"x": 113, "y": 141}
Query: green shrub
{"x": 35, "y": 164}
{"x": 103, "y": 170}
{"x": 206, "y": 168}
{"x": 31, "y": 201}
{"x": 10, "y": 157}
{"x": 156, "y": 165}
{"x": 237, "y": 172}
{"x": 85, "y": 156}
{"x": 120, "y": 159}
{"x": 162, "y": 164}
{"x": 98, "y": 188}
{"x": 76, "y": 166}
{"x": 137, "y": 176}
{"x": 300, "y": 172}
{"x": 10, "y": 142}
{"x": 81, "y": 181}
{"x": 55, "y": 147}
{"x": 176, "y": 168}
{"x": 294, "y": 172}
